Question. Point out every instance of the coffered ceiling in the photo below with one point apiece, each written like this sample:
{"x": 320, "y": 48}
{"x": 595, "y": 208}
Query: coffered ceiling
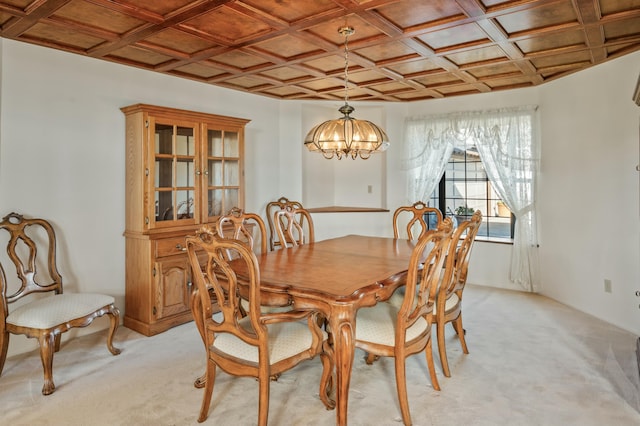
{"x": 402, "y": 50}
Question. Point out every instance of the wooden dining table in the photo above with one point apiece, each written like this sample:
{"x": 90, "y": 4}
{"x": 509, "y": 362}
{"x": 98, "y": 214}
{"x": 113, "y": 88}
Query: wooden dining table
{"x": 335, "y": 277}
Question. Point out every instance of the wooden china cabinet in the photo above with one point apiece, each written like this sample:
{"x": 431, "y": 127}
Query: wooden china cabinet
{"x": 183, "y": 169}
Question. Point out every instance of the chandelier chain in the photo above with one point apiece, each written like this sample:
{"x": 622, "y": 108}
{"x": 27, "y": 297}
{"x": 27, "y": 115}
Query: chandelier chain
{"x": 346, "y": 67}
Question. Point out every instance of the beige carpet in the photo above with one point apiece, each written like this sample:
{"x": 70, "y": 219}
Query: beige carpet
{"x": 533, "y": 362}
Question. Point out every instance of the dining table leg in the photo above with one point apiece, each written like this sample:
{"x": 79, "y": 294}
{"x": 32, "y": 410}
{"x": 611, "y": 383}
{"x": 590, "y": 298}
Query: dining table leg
{"x": 342, "y": 326}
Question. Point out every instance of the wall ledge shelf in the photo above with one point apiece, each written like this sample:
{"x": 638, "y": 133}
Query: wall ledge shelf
{"x": 341, "y": 209}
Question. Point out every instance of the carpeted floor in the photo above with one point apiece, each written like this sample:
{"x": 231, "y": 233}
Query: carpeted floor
{"x": 532, "y": 361}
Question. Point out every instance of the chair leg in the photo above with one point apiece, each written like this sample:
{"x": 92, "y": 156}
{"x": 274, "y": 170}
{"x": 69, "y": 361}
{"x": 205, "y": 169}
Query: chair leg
{"x": 460, "y": 331}
{"x": 208, "y": 390}
{"x": 4, "y": 346}
{"x": 327, "y": 380}
{"x": 114, "y": 318}
{"x": 47, "y": 346}
{"x": 56, "y": 344}
{"x": 442, "y": 349}
{"x": 264, "y": 384}
{"x": 432, "y": 367}
{"x": 401, "y": 385}
{"x": 196, "y": 310}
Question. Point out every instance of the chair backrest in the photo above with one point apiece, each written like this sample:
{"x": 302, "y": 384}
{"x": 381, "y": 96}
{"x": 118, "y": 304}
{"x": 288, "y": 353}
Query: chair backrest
{"x": 216, "y": 276}
{"x": 31, "y": 248}
{"x": 425, "y": 266}
{"x": 457, "y": 265}
{"x": 240, "y": 226}
{"x": 290, "y": 227}
{"x": 414, "y": 216}
{"x": 280, "y": 204}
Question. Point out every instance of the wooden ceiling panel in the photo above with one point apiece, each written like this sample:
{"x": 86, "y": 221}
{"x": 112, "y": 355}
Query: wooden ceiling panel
{"x": 547, "y": 15}
{"x": 413, "y": 13}
{"x": 327, "y": 31}
{"x": 4, "y": 17}
{"x": 179, "y": 41}
{"x": 495, "y": 70}
{"x": 238, "y": 59}
{"x": 327, "y": 64}
{"x": 553, "y": 41}
{"x": 416, "y": 67}
{"x": 508, "y": 82}
{"x": 460, "y": 35}
{"x": 89, "y": 14}
{"x": 438, "y": 80}
{"x": 363, "y": 77}
{"x": 62, "y": 36}
{"x": 458, "y": 89}
{"x": 611, "y": 7}
{"x": 402, "y": 50}
{"x": 324, "y": 85}
{"x": 482, "y": 55}
{"x": 228, "y": 25}
{"x": 247, "y": 82}
{"x": 287, "y": 47}
{"x": 392, "y": 88}
{"x": 284, "y": 74}
{"x": 292, "y": 10}
{"x": 619, "y": 30}
{"x": 578, "y": 57}
{"x": 195, "y": 70}
{"x": 142, "y": 57}
{"x": 386, "y": 52}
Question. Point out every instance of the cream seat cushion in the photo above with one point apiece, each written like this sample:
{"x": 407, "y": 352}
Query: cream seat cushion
{"x": 377, "y": 324}
{"x": 397, "y": 298}
{"x": 55, "y": 310}
{"x": 285, "y": 340}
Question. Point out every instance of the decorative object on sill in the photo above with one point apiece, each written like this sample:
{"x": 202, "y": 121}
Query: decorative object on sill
{"x": 463, "y": 213}
{"x": 503, "y": 210}
{"x": 346, "y": 136}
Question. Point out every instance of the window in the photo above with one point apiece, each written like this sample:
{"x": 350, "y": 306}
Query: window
{"x": 506, "y": 140}
{"x": 465, "y": 188}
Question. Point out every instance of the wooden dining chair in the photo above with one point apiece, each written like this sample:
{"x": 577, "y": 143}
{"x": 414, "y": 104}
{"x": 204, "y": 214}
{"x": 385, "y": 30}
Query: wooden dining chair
{"x": 248, "y": 227}
{"x": 281, "y": 203}
{"x": 448, "y": 306}
{"x": 414, "y": 217}
{"x": 259, "y": 344}
{"x": 31, "y": 249}
{"x": 400, "y": 331}
{"x": 293, "y": 226}
{"x": 239, "y": 225}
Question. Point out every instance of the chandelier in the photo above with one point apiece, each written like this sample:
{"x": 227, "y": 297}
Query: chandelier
{"x": 346, "y": 136}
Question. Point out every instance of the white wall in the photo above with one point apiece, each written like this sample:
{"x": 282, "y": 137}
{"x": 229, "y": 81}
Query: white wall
{"x": 589, "y": 205}
{"x": 62, "y": 152}
{"x": 62, "y": 157}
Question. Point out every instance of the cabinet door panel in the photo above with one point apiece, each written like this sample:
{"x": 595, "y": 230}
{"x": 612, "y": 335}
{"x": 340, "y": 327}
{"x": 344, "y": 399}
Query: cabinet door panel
{"x": 174, "y": 170}
{"x": 173, "y": 281}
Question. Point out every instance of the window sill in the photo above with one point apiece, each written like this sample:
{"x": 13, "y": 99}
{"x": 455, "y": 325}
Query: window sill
{"x": 341, "y": 209}
{"x": 496, "y": 240}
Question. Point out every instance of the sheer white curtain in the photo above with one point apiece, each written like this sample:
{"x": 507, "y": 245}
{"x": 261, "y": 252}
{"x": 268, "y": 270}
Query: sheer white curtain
{"x": 507, "y": 142}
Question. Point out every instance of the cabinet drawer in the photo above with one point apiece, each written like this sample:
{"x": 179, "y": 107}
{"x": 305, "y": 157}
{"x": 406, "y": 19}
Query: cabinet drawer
{"x": 170, "y": 246}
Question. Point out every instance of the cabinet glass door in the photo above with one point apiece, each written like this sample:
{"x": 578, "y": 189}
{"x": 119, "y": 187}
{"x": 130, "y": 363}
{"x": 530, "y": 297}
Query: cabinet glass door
{"x": 223, "y": 172}
{"x": 174, "y": 174}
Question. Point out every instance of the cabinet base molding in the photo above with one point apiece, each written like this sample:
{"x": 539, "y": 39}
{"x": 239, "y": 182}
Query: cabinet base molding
{"x": 151, "y": 329}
